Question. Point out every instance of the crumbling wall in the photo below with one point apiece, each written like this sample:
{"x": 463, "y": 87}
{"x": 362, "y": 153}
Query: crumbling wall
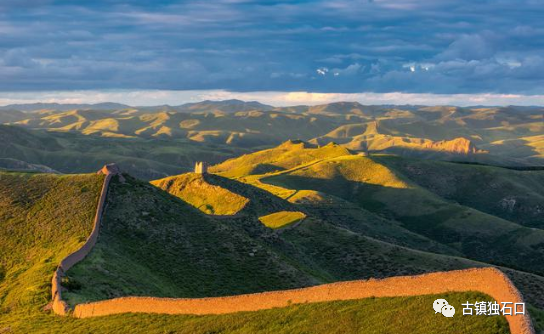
{"x": 490, "y": 281}
{"x": 59, "y": 305}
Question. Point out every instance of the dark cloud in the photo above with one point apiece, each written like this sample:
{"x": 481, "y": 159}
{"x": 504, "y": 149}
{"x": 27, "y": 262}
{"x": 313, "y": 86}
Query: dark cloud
{"x": 443, "y": 46}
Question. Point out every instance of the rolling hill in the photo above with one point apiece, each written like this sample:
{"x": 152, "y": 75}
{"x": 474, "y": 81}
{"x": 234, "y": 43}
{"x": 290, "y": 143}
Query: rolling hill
{"x": 407, "y": 202}
{"x": 500, "y": 135}
{"x": 298, "y": 196}
{"x": 75, "y": 153}
{"x": 153, "y": 243}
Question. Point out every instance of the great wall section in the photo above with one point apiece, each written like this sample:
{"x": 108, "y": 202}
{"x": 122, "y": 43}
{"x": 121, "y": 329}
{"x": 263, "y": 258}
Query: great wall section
{"x": 490, "y": 281}
{"x": 59, "y": 305}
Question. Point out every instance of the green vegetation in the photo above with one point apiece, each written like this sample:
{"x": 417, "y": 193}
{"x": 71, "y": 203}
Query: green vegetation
{"x": 152, "y": 243}
{"x": 282, "y": 219}
{"x": 373, "y": 315}
{"x": 510, "y": 194}
{"x": 380, "y": 189}
{"x": 208, "y": 198}
{"x": 401, "y": 202}
{"x": 213, "y": 235}
{"x": 152, "y": 143}
{"x": 43, "y": 218}
{"x": 30, "y": 203}
{"x": 70, "y": 152}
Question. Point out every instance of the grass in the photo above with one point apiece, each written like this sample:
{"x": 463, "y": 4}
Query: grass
{"x": 514, "y": 195}
{"x": 144, "y": 158}
{"x": 372, "y": 315}
{"x": 43, "y": 218}
{"x": 282, "y": 219}
{"x": 288, "y": 155}
{"x": 208, "y": 198}
{"x": 378, "y": 188}
{"x": 380, "y": 206}
{"x": 152, "y": 243}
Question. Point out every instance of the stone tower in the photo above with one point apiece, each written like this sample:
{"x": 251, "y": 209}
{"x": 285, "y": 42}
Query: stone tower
{"x": 201, "y": 167}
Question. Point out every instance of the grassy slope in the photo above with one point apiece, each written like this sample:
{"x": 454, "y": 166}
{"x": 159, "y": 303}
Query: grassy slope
{"x": 381, "y": 315}
{"x": 514, "y": 195}
{"x": 382, "y": 204}
{"x": 42, "y": 219}
{"x": 152, "y": 243}
{"x": 379, "y": 189}
{"x": 71, "y": 152}
{"x": 288, "y": 155}
{"x": 282, "y": 219}
{"x": 208, "y": 198}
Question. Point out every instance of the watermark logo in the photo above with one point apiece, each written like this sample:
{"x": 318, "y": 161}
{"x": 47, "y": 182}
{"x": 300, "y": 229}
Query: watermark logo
{"x": 442, "y": 306}
{"x": 493, "y": 308}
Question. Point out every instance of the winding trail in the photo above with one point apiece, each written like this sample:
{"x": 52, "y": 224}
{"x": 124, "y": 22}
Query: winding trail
{"x": 488, "y": 280}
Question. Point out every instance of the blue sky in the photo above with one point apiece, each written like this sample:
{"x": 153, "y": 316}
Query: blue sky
{"x": 337, "y": 48}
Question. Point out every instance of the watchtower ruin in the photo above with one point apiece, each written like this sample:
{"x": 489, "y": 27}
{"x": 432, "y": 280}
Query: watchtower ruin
{"x": 201, "y": 167}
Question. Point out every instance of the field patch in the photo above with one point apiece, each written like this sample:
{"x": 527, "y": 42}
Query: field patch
{"x": 282, "y": 219}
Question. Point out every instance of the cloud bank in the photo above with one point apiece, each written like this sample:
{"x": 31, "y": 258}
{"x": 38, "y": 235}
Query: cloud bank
{"x": 323, "y": 46}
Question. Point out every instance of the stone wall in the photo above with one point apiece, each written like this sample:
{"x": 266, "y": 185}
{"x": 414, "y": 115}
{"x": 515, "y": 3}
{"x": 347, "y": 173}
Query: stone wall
{"x": 59, "y": 305}
{"x": 490, "y": 281}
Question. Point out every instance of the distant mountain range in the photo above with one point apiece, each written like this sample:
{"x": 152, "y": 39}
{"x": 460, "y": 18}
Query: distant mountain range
{"x": 175, "y": 137}
{"x": 225, "y": 106}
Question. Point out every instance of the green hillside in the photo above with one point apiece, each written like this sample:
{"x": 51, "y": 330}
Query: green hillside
{"x": 208, "y": 198}
{"x": 150, "y": 240}
{"x": 379, "y": 189}
{"x": 282, "y": 219}
{"x": 515, "y": 195}
{"x": 376, "y": 197}
{"x": 43, "y": 218}
{"x": 156, "y": 142}
{"x": 152, "y": 243}
{"x": 76, "y": 153}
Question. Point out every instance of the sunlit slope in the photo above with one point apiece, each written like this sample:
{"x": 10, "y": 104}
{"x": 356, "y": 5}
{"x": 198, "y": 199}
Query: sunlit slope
{"x": 531, "y": 147}
{"x": 247, "y": 128}
{"x": 152, "y": 243}
{"x": 378, "y": 188}
{"x": 516, "y": 195}
{"x": 43, "y": 218}
{"x": 218, "y": 195}
{"x": 206, "y": 197}
{"x": 282, "y": 219}
{"x": 288, "y": 155}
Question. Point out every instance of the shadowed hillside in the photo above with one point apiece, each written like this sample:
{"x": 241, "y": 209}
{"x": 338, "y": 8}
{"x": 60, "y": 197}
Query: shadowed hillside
{"x": 71, "y": 152}
{"x": 150, "y": 239}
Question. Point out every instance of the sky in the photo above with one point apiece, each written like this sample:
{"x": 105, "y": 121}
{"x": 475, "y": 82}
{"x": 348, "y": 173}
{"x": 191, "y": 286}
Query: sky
{"x": 464, "y": 52}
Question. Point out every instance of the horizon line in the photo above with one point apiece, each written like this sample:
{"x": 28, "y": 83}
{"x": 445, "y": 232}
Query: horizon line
{"x": 155, "y": 98}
